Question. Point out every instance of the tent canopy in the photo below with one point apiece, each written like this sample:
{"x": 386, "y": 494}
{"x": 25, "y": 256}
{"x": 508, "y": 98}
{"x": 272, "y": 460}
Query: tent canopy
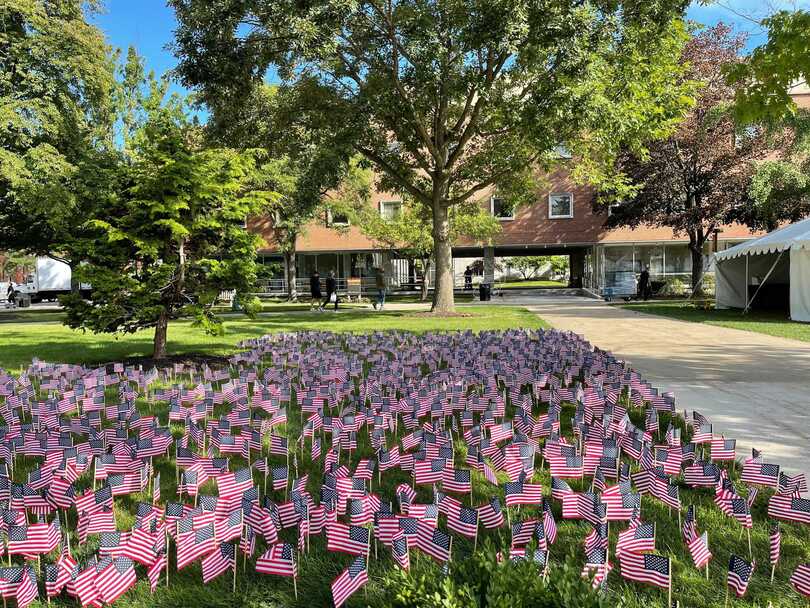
{"x": 793, "y": 236}
{"x": 783, "y": 256}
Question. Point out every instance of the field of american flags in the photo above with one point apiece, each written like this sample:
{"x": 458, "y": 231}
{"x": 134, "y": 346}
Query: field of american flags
{"x": 317, "y": 567}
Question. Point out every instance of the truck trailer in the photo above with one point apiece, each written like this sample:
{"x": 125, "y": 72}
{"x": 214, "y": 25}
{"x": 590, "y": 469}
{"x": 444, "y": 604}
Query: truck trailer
{"x": 50, "y": 279}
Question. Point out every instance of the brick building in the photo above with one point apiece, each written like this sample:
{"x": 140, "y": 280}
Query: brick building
{"x": 561, "y": 221}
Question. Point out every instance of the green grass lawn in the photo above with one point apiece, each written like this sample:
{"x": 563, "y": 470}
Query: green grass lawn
{"x": 319, "y": 567}
{"x": 763, "y": 322}
{"x": 54, "y": 342}
{"x": 530, "y": 284}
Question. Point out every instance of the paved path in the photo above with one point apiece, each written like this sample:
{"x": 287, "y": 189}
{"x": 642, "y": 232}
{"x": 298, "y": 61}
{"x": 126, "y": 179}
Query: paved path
{"x": 752, "y": 386}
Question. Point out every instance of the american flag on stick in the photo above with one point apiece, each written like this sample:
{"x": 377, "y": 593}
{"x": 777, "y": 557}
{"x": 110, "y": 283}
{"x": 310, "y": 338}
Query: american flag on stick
{"x": 739, "y": 574}
{"x": 646, "y": 568}
{"x": 349, "y": 581}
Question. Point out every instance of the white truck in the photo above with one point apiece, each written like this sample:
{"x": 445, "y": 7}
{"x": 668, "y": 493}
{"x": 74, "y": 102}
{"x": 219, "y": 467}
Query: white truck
{"x": 49, "y": 280}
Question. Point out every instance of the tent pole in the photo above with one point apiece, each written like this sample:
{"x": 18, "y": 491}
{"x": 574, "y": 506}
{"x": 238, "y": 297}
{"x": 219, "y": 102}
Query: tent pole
{"x": 745, "y": 310}
{"x": 767, "y": 276}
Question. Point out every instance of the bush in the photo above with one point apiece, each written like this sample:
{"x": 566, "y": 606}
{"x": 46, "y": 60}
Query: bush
{"x": 674, "y": 286}
{"x": 482, "y": 582}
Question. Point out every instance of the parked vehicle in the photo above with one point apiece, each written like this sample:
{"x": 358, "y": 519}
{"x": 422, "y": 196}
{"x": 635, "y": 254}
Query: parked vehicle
{"x": 623, "y": 285}
{"x": 50, "y": 279}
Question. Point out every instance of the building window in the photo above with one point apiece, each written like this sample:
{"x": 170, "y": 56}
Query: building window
{"x": 499, "y": 208}
{"x": 336, "y": 218}
{"x": 390, "y": 210}
{"x": 560, "y": 205}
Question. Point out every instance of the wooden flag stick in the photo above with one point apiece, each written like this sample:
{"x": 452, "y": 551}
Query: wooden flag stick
{"x": 295, "y": 586}
{"x": 750, "y": 554}
{"x": 669, "y": 594}
{"x": 235, "y": 546}
{"x": 168, "y": 541}
{"x": 725, "y": 604}
{"x": 773, "y": 571}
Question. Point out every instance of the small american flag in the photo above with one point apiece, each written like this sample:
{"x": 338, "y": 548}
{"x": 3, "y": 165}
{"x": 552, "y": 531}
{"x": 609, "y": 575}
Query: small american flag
{"x": 399, "y": 550}
{"x": 278, "y": 559}
{"x": 222, "y": 559}
{"x": 349, "y": 581}
{"x": 739, "y": 574}
{"x": 699, "y": 550}
{"x": 800, "y": 579}
{"x": 490, "y": 515}
{"x": 775, "y": 542}
{"x": 646, "y": 568}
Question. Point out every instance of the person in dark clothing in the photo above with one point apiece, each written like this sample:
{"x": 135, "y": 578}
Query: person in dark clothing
{"x": 315, "y": 291}
{"x": 468, "y": 279}
{"x": 644, "y": 284}
{"x": 331, "y": 288}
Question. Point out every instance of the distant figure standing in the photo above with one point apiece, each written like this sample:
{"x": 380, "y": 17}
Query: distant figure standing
{"x": 315, "y": 291}
{"x": 468, "y": 279}
{"x": 644, "y": 284}
{"x": 331, "y": 290}
{"x": 380, "y": 283}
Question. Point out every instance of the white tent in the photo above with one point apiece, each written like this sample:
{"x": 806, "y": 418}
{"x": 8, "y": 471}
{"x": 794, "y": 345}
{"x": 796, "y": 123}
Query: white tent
{"x": 780, "y": 257}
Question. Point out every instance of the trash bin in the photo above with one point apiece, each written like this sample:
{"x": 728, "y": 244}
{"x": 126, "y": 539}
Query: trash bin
{"x": 484, "y": 292}
{"x": 235, "y": 305}
{"x": 24, "y": 301}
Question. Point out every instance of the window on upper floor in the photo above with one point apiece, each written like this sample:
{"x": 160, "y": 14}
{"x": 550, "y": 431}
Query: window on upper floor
{"x": 336, "y": 218}
{"x": 560, "y": 205}
{"x": 390, "y": 210}
{"x": 501, "y": 209}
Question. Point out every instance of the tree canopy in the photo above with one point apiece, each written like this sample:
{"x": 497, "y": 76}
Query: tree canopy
{"x": 307, "y": 166}
{"x": 57, "y": 98}
{"x": 764, "y": 83}
{"x": 448, "y": 97}
{"x": 175, "y": 237}
{"x": 698, "y": 178}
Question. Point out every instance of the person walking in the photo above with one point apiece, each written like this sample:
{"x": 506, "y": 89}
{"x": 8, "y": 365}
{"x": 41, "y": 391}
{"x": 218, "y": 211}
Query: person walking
{"x": 331, "y": 290}
{"x": 315, "y": 291}
{"x": 644, "y": 284}
{"x": 380, "y": 283}
{"x": 468, "y": 279}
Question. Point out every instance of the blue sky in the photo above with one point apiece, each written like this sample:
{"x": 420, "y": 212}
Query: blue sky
{"x": 149, "y": 25}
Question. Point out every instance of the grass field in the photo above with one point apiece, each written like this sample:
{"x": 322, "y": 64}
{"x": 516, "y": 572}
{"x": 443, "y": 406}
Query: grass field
{"x": 763, "y": 322}
{"x": 318, "y": 568}
{"x": 54, "y": 342}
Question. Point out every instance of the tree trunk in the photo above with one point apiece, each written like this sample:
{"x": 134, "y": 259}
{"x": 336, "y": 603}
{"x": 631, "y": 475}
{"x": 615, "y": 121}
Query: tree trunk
{"x": 443, "y": 301}
{"x": 161, "y": 330}
{"x": 696, "y": 249}
{"x": 423, "y": 296}
{"x": 75, "y": 286}
{"x": 292, "y": 276}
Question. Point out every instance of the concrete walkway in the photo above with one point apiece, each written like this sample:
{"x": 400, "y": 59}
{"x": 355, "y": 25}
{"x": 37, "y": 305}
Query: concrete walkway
{"x": 753, "y": 387}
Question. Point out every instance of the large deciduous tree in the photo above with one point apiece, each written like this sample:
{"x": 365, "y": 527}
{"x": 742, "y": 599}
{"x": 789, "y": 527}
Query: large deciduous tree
{"x": 56, "y": 113}
{"x": 174, "y": 238}
{"x": 780, "y": 190}
{"x": 698, "y": 178}
{"x": 449, "y": 97}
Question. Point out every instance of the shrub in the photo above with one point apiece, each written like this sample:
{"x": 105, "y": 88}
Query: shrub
{"x": 482, "y": 582}
{"x": 673, "y": 286}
